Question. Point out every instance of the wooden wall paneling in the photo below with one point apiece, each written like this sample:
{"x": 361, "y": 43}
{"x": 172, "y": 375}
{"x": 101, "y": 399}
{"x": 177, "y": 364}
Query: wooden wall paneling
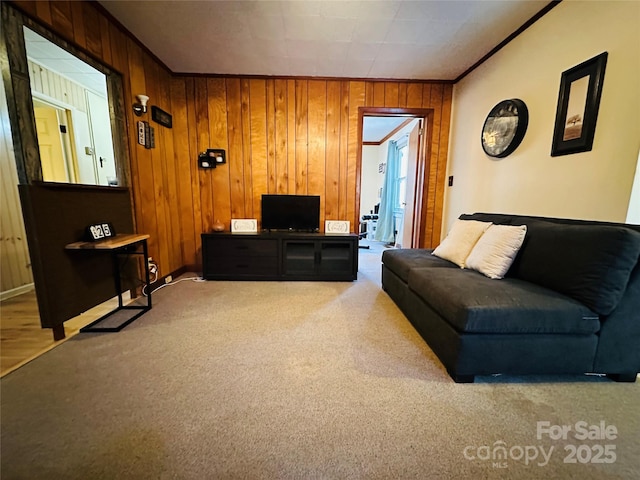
{"x": 27, "y": 6}
{"x": 426, "y": 95}
{"x": 281, "y": 136}
{"x": 445, "y": 123}
{"x": 217, "y": 92}
{"x": 183, "y": 160}
{"x": 402, "y": 95}
{"x": 61, "y": 19}
{"x": 391, "y": 95}
{"x": 368, "y": 93}
{"x": 332, "y": 153}
{"x": 317, "y": 140}
{"x": 43, "y": 10}
{"x": 119, "y": 52}
{"x": 272, "y": 170}
{"x": 92, "y": 32}
{"x": 156, "y": 85}
{"x": 378, "y": 94}
{"x": 246, "y": 149}
{"x": 356, "y": 99}
{"x": 258, "y": 144}
{"x": 105, "y": 34}
{"x": 190, "y": 95}
{"x": 235, "y": 159}
{"x": 204, "y": 142}
{"x": 141, "y": 162}
{"x": 435, "y": 102}
{"x": 170, "y": 174}
{"x": 291, "y": 136}
{"x": 302, "y": 124}
{"x": 301, "y": 135}
{"x": 343, "y": 192}
{"x": 414, "y": 95}
{"x": 77, "y": 18}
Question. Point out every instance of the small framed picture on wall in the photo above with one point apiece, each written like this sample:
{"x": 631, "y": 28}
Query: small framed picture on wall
{"x": 578, "y": 104}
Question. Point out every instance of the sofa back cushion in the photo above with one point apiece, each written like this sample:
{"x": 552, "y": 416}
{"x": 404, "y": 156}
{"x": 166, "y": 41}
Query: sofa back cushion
{"x": 590, "y": 263}
{"x": 460, "y": 241}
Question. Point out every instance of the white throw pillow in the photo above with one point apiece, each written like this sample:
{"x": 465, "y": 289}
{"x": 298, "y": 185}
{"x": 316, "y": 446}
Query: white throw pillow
{"x": 462, "y": 237}
{"x": 495, "y": 251}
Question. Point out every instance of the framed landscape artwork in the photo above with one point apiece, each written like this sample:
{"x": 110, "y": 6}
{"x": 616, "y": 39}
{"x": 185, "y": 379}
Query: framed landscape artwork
{"x": 578, "y": 102}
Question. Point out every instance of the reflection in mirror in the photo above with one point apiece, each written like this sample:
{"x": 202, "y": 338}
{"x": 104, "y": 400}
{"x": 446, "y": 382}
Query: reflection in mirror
{"x": 72, "y": 115}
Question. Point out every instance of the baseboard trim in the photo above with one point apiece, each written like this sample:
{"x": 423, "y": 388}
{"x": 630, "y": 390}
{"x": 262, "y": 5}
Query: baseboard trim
{"x": 14, "y": 292}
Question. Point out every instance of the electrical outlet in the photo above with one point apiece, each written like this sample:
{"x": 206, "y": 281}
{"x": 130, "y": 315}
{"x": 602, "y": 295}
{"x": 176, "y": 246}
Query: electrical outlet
{"x": 168, "y": 279}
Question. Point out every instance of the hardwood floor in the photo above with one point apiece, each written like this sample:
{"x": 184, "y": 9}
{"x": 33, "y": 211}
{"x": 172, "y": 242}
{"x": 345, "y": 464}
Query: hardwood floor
{"x": 23, "y": 339}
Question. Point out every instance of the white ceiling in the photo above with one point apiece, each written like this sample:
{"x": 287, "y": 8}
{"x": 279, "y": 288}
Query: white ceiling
{"x": 387, "y": 39}
{"x": 374, "y": 129}
{"x": 54, "y": 58}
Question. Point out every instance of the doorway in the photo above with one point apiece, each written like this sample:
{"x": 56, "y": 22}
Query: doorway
{"x": 409, "y": 129}
{"x": 56, "y": 155}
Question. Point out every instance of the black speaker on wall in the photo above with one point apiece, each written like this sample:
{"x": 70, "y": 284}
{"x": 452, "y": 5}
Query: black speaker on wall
{"x": 212, "y": 158}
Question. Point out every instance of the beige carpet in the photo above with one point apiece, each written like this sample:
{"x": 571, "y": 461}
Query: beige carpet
{"x": 295, "y": 380}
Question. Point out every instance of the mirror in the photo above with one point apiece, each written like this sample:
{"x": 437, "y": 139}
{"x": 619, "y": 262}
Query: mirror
{"x": 71, "y": 109}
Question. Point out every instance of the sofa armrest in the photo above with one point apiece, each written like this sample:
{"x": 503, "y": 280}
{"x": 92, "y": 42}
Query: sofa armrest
{"x": 619, "y": 345}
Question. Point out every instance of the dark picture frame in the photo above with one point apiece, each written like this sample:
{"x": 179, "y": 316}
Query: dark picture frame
{"x": 578, "y": 104}
{"x": 160, "y": 116}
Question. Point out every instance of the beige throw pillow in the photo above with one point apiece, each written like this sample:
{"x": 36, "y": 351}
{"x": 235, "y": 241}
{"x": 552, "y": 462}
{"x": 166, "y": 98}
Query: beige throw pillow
{"x": 495, "y": 251}
{"x": 460, "y": 241}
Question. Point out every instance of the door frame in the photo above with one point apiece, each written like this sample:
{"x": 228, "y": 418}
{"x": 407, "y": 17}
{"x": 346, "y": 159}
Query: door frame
{"x": 420, "y": 219}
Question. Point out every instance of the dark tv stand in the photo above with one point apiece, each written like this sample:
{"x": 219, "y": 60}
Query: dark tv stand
{"x": 279, "y": 256}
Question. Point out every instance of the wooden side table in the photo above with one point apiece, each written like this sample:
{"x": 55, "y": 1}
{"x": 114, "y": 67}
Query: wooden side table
{"x": 121, "y": 244}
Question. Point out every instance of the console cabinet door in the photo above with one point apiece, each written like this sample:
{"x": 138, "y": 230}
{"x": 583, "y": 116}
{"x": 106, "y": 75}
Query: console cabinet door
{"x": 300, "y": 258}
{"x": 319, "y": 259}
{"x": 336, "y": 259}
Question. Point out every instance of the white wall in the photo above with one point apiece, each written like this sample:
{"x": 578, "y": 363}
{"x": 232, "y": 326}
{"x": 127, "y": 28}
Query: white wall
{"x": 371, "y": 178}
{"x": 633, "y": 213}
{"x": 589, "y": 185}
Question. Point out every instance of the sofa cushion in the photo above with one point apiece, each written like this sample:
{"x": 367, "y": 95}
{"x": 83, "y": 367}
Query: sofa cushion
{"x": 460, "y": 241}
{"x": 473, "y": 303}
{"x": 495, "y": 251}
{"x": 590, "y": 263}
{"x": 401, "y": 260}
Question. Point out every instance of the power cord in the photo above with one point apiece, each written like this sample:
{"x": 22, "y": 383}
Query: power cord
{"x": 193, "y": 279}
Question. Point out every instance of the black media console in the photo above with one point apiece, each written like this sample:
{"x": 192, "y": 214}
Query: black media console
{"x": 279, "y": 256}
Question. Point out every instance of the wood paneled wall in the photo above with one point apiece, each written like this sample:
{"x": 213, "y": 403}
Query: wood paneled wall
{"x": 282, "y": 135}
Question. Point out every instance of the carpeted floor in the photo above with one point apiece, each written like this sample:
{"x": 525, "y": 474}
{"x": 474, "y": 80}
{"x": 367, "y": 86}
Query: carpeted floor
{"x": 295, "y": 380}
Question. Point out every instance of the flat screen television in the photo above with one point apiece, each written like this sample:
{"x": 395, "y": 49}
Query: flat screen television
{"x": 298, "y": 213}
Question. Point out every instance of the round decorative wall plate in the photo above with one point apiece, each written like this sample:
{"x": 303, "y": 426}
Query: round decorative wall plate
{"x": 504, "y": 128}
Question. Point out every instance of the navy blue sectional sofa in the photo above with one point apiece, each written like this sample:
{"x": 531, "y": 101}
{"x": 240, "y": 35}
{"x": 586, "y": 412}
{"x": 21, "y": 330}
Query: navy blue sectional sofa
{"x": 569, "y": 304}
